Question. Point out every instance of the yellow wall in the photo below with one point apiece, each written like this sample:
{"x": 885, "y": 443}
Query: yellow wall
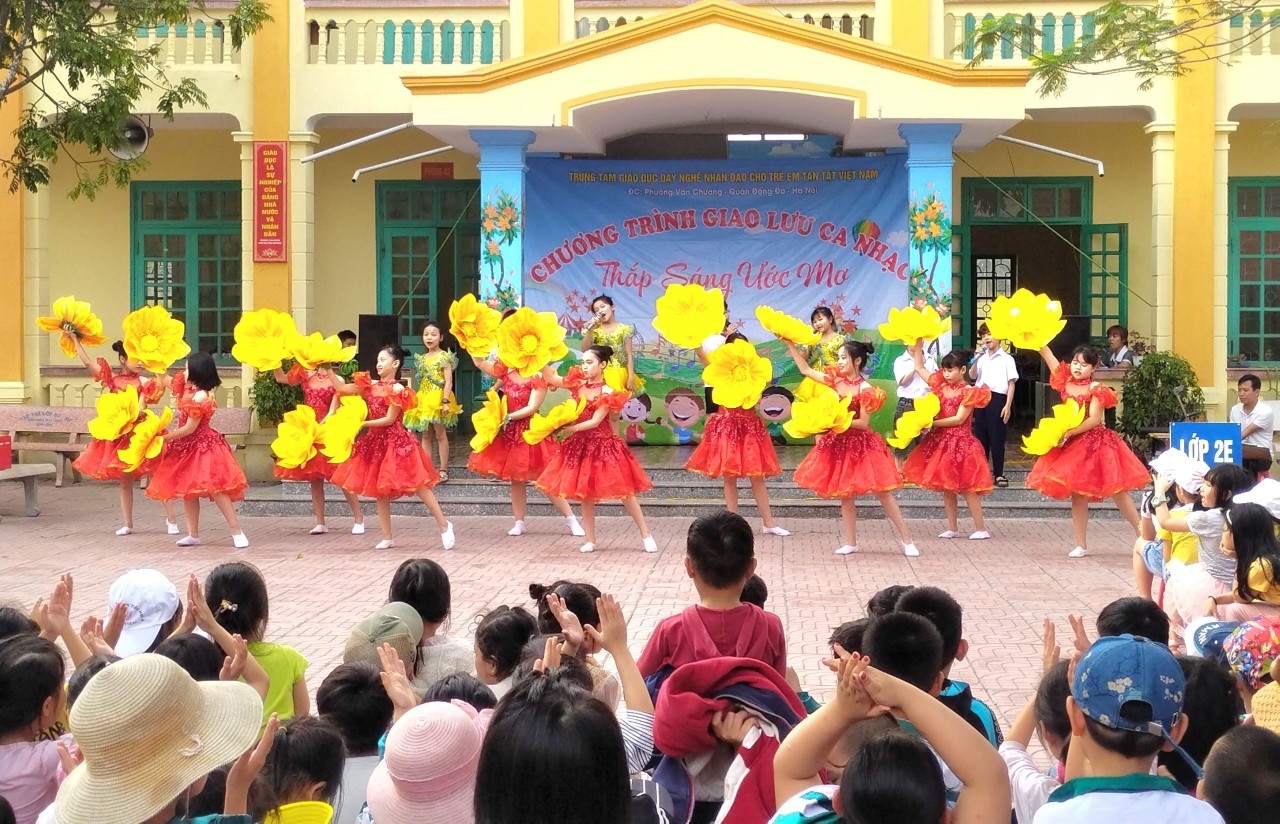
{"x": 1254, "y": 147}
{"x": 11, "y": 261}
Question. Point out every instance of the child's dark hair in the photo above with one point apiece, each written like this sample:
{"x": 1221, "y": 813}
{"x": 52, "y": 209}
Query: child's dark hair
{"x": 597, "y": 298}
{"x": 1051, "y": 705}
{"x": 983, "y": 329}
{"x": 940, "y": 609}
{"x": 580, "y": 599}
{"x": 1086, "y": 353}
{"x": 1213, "y": 707}
{"x": 353, "y": 700}
{"x": 31, "y": 672}
{"x": 118, "y": 348}
{"x": 849, "y": 635}
{"x": 398, "y": 353}
{"x": 1253, "y": 533}
{"x": 571, "y": 668}
{"x": 16, "y": 622}
{"x": 893, "y": 777}
{"x": 860, "y": 351}
{"x": 347, "y": 334}
{"x": 603, "y": 353}
{"x": 955, "y": 359}
{"x": 306, "y": 750}
{"x": 423, "y": 585}
{"x": 430, "y": 323}
{"x": 462, "y": 686}
{"x": 733, "y": 336}
{"x": 906, "y": 646}
{"x": 237, "y": 597}
{"x": 88, "y": 668}
{"x": 755, "y": 591}
{"x": 1241, "y": 777}
{"x": 1228, "y": 480}
{"x": 885, "y": 600}
{"x": 6, "y": 813}
{"x": 721, "y": 548}
{"x": 202, "y": 371}
{"x": 502, "y": 634}
{"x": 196, "y": 654}
{"x": 824, "y": 311}
{"x": 1126, "y": 743}
{"x": 1139, "y": 617}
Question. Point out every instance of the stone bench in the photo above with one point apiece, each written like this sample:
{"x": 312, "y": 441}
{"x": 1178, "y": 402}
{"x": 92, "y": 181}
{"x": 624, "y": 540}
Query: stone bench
{"x": 28, "y": 474}
{"x": 56, "y": 429}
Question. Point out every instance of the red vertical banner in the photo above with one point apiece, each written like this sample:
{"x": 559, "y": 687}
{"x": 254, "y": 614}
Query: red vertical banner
{"x": 270, "y": 200}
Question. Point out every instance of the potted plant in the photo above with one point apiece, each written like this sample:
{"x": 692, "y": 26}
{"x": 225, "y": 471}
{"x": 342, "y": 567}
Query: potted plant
{"x": 1161, "y": 389}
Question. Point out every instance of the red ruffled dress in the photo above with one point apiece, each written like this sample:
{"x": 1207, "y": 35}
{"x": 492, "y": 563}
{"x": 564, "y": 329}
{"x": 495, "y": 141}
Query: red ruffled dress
{"x": 317, "y": 394}
{"x": 951, "y": 459}
{"x": 510, "y": 457}
{"x": 388, "y": 461}
{"x": 1098, "y": 463}
{"x": 594, "y": 463}
{"x": 852, "y": 462}
{"x": 100, "y": 459}
{"x": 201, "y": 464}
{"x": 734, "y": 444}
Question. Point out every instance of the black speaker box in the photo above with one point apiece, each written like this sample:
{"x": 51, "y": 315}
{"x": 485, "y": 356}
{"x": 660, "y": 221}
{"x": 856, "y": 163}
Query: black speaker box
{"x": 376, "y": 331}
{"x": 1072, "y": 335}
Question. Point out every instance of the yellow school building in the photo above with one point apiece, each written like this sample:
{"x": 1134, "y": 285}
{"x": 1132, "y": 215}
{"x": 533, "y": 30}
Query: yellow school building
{"x": 1158, "y": 209}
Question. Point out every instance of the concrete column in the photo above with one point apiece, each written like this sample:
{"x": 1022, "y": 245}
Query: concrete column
{"x": 502, "y": 168}
{"x": 13, "y": 325}
{"x": 302, "y": 228}
{"x": 930, "y": 204}
{"x": 1162, "y": 230}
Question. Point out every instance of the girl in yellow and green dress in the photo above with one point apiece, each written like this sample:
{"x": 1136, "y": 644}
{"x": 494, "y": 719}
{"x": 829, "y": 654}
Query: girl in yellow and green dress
{"x": 606, "y": 330}
{"x": 436, "y": 409}
{"x": 823, "y": 353}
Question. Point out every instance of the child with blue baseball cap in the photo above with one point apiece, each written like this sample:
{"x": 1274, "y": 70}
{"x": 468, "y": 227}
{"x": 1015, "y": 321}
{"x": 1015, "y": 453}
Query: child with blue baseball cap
{"x": 1125, "y": 707}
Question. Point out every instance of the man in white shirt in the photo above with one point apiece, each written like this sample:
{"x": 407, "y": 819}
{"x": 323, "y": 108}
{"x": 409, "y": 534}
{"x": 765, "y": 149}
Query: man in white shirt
{"x": 1257, "y": 425}
{"x": 911, "y": 371}
{"x": 995, "y": 369}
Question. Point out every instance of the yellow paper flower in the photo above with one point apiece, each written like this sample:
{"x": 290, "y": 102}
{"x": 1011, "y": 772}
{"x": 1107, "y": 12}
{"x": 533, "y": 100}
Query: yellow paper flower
{"x": 786, "y": 327}
{"x": 1030, "y": 321}
{"x": 146, "y": 440}
{"x": 1049, "y": 431}
{"x": 313, "y": 350}
{"x": 915, "y": 420}
{"x": 296, "y": 437}
{"x": 529, "y": 340}
{"x": 75, "y": 321}
{"x": 824, "y": 412}
{"x": 736, "y": 374}
{"x": 487, "y": 420}
{"x": 154, "y": 338}
{"x": 687, "y": 314}
{"x": 264, "y": 338}
{"x": 474, "y": 324}
{"x": 911, "y": 324}
{"x": 562, "y": 414}
{"x": 117, "y": 413}
{"x": 339, "y": 428}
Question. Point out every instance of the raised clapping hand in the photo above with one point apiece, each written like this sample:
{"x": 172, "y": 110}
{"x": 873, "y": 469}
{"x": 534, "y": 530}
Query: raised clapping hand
{"x": 570, "y": 626}
{"x": 1081, "y": 638}
{"x": 551, "y": 654}
{"x": 854, "y": 700}
{"x": 395, "y": 680}
{"x": 1050, "y": 652}
{"x": 91, "y": 634}
{"x": 612, "y": 634}
{"x": 233, "y": 665}
{"x": 246, "y": 768}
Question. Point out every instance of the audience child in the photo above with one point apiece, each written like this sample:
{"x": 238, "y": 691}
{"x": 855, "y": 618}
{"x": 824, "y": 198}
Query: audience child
{"x": 1213, "y": 708}
{"x": 886, "y": 599}
{"x": 31, "y": 673}
{"x": 353, "y": 700}
{"x": 1125, "y": 706}
{"x": 88, "y": 668}
{"x": 6, "y": 812}
{"x": 226, "y": 657}
{"x": 14, "y": 621}
{"x": 424, "y": 585}
{"x": 579, "y": 601}
{"x": 755, "y": 591}
{"x": 152, "y": 610}
{"x": 892, "y": 777}
{"x": 236, "y": 596}
{"x": 464, "y": 687}
{"x": 1251, "y": 538}
{"x": 303, "y": 774}
{"x": 1136, "y": 616}
{"x": 1044, "y": 715}
{"x": 1242, "y": 776}
{"x": 500, "y": 638}
{"x": 395, "y": 623}
{"x": 944, "y": 612}
{"x": 848, "y": 636}
{"x": 1160, "y": 551}
{"x": 1251, "y": 651}
{"x": 720, "y": 557}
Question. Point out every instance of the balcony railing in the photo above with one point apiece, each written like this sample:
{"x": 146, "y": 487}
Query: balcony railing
{"x": 197, "y": 44}
{"x": 403, "y": 42}
{"x": 853, "y": 19}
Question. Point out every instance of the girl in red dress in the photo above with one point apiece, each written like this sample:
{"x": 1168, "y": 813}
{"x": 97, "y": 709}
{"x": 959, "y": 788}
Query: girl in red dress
{"x": 100, "y": 460}
{"x": 387, "y": 461}
{"x": 1092, "y": 462}
{"x": 855, "y": 461}
{"x": 196, "y": 461}
{"x": 318, "y": 393}
{"x": 510, "y": 458}
{"x": 949, "y": 459}
{"x": 593, "y": 462}
{"x": 735, "y": 444}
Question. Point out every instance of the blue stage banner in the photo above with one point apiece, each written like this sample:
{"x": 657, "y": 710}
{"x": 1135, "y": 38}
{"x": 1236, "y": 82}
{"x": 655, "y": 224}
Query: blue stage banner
{"x": 793, "y": 234}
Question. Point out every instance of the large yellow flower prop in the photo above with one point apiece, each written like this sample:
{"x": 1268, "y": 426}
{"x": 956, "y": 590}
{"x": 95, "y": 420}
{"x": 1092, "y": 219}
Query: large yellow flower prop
{"x": 736, "y": 374}
{"x": 264, "y": 338}
{"x": 315, "y": 349}
{"x": 154, "y": 338}
{"x": 487, "y": 420}
{"x": 146, "y": 440}
{"x": 529, "y": 340}
{"x": 687, "y": 314}
{"x": 117, "y": 413}
{"x": 296, "y": 437}
{"x": 339, "y": 428}
{"x": 562, "y": 414}
{"x": 786, "y": 327}
{"x": 915, "y": 420}
{"x": 1049, "y": 431}
{"x": 1030, "y": 321}
{"x": 474, "y": 324}
{"x": 911, "y": 324}
{"x": 825, "y": 412}
{"x": 73, "y": 319}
